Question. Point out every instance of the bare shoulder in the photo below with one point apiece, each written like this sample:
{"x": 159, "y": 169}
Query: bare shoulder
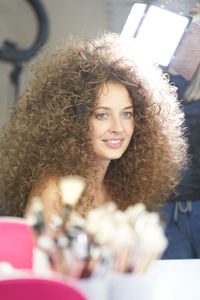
{"x": 48, "y": 191}
{"x": 45, "y": 186}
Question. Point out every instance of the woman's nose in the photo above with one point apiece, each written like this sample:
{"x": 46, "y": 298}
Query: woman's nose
{"x": 116, "y": 125}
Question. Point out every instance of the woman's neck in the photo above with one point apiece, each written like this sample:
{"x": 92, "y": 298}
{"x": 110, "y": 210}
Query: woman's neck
{"x": 101, "y": 195}
{"x": 102, "y": 167}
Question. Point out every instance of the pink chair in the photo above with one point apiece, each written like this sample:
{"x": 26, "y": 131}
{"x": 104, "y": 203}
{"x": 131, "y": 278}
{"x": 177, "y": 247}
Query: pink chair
{"x": 37, "y": 289}
{"x": 16, "y": 242}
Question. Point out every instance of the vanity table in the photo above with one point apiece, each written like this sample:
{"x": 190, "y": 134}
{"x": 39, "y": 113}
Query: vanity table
{"x": 166, "y": 280}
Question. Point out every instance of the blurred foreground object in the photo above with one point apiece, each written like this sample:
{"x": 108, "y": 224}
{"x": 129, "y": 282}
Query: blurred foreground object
{"x": 16, "y": 243}
{"x": 106, "y": 240}
{"x": 38, "y": 288}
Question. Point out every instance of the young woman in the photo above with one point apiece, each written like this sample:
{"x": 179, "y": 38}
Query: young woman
{"x": 96, "y": 110}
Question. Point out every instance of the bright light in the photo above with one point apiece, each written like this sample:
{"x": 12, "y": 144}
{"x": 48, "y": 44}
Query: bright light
{"x": 156, "y": 30}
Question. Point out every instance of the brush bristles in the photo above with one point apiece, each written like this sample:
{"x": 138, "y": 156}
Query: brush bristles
{"x": 71, "y": 188}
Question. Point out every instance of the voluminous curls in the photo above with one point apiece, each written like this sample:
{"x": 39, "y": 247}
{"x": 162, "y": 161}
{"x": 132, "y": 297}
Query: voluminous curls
{"x": 47, "y": 133}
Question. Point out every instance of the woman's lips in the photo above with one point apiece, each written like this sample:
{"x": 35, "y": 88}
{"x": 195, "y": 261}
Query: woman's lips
{"x": 113, "y": 143}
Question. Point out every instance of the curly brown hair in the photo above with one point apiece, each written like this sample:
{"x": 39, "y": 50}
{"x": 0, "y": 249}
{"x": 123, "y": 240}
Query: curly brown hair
{"x": 47, "y": 133}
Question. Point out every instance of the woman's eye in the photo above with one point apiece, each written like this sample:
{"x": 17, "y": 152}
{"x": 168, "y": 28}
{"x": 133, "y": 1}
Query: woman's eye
{"x": 101, "y": 116}
{"x": 127, "y": 114}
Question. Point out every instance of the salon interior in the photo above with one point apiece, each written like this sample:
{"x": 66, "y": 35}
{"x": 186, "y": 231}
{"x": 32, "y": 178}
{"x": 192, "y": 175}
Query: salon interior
{"x": 26, "y": 272}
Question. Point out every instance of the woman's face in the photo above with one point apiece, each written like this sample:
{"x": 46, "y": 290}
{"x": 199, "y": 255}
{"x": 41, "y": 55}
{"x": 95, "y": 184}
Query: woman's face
{"x": 112, "y": 125}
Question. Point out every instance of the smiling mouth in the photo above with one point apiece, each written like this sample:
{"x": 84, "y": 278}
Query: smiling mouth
{"x": 116, "y": 143}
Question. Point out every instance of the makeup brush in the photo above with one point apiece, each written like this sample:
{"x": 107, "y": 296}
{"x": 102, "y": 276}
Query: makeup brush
{"x": 71, "y": 188}
{"x": 34, "y": 215}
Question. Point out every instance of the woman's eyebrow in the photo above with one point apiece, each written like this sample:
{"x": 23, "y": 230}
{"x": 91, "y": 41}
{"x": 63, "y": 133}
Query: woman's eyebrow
{"x": 102, "y": 107}
{"x": 128, "y": 107}
{"x": 108, "y": 108}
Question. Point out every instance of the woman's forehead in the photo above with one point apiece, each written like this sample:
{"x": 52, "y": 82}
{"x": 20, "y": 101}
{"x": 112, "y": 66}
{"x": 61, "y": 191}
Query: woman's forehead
{"x": 113, "y": 93}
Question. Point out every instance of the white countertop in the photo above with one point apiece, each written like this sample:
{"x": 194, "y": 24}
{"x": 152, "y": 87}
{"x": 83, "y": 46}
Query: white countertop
{"x": 166, "y": 280}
